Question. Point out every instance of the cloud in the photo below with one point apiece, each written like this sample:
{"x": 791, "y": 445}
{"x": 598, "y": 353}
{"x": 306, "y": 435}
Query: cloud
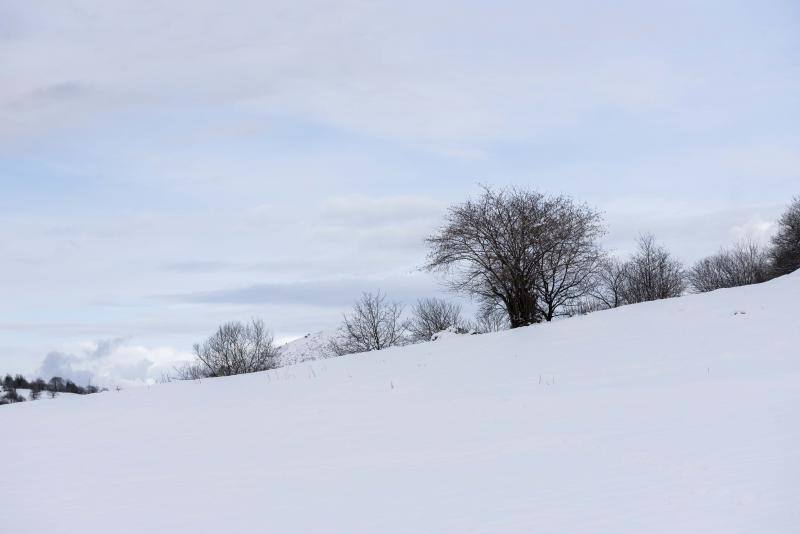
{"x": 104, "y": 348}
{"x": 53, "y": 93}
{"x": 198, "y": 266}
{"x": 327, "y": 293}
{"x": 64, "y": 365}
{"x": 360, "y": 210}
{"x": 491, "y": 71}
{"x": 756, "y": 229}
{"x": 111, "y": 361}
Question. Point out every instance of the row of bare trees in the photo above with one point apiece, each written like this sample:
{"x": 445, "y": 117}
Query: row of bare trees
{"x": 744, "y": 263}
{"x": 749, "y": 263}
{"x": 537, "y": 257}
{"x": 570, "y": 278}
{"x": 376, "y": 323}
{"x": 36, "y": 387}
{"x": 526, "y": 258}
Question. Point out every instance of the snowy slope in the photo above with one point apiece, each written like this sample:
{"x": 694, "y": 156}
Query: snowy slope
{"x": 313, "y": 346}
{"x": 672, "y": 416}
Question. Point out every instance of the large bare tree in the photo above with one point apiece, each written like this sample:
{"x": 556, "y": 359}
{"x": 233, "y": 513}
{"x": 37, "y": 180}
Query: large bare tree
{"x": 529, "y": 253}
{"x": 373, "y": 324}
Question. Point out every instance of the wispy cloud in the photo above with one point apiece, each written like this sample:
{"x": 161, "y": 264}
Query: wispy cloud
{"x": 338, "y": 293}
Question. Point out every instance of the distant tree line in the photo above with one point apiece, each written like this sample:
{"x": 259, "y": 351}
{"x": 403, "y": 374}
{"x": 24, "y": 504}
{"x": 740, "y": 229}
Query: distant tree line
{"x": 39, "y": 386}
{"x": 526, "y": 258}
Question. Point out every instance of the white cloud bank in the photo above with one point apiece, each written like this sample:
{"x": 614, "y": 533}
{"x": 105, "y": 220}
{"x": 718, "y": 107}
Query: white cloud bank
{"x": 111, "y": 362}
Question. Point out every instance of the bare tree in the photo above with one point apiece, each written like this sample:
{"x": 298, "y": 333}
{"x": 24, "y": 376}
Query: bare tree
{"x": 745, "y": 263}
{"x": 609, "y": 284}
{"x": 517, "y": 249}
{"x": 373, "y": 324}
{"x": 652, "y": 274}
{"x": 433, "y": 315}
{"x": 785, "y": 252}
{"x": 235, "y": 348}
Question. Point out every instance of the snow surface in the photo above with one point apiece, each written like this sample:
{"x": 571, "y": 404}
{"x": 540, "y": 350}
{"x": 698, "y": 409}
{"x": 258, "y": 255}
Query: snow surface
{"x": 313, "y": 346}
{"x": 672, "y": 416}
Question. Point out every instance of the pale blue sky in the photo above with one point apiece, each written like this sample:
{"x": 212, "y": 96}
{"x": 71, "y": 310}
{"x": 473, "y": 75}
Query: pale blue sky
{"x": 166, "y": 166}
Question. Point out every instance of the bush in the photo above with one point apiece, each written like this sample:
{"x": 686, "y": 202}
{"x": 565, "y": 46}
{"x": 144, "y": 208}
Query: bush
{"x": 652, "y": 274}
{"x": 743, "y": 264}
{"x": 373, "y": 324}
{"x": 430, "y": 316}
{"x": 490, "y": 319}
{"x": 236, "y": 348}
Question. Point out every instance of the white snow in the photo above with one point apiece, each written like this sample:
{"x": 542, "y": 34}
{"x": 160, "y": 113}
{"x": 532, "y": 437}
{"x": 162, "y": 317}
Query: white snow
{"x": 310, "y": 347}
{"x": 672, "y": 416}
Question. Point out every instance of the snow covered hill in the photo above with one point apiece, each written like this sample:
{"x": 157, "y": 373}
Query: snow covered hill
{"x": 672, "y": 416}
{"x": 313, "y": 346}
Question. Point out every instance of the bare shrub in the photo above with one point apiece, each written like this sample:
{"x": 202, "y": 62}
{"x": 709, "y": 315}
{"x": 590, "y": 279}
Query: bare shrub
{"x": 785, "y": 252}
{"x": 518, "y": 249}
{"x": 193, "y": 370}
{"x": 745, "y": 263}
{"x": 585, "y": 306}
{"x": 236, "y": 348}
{"x": 652, "y": 273}
{"x": 373, "y": 324}
{"x": 490, "y": 319}
{"x": 433, "y": 315}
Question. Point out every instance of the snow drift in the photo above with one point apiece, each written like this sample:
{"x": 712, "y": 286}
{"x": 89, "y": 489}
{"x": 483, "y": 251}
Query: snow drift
{"x": 671, "y": 416}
